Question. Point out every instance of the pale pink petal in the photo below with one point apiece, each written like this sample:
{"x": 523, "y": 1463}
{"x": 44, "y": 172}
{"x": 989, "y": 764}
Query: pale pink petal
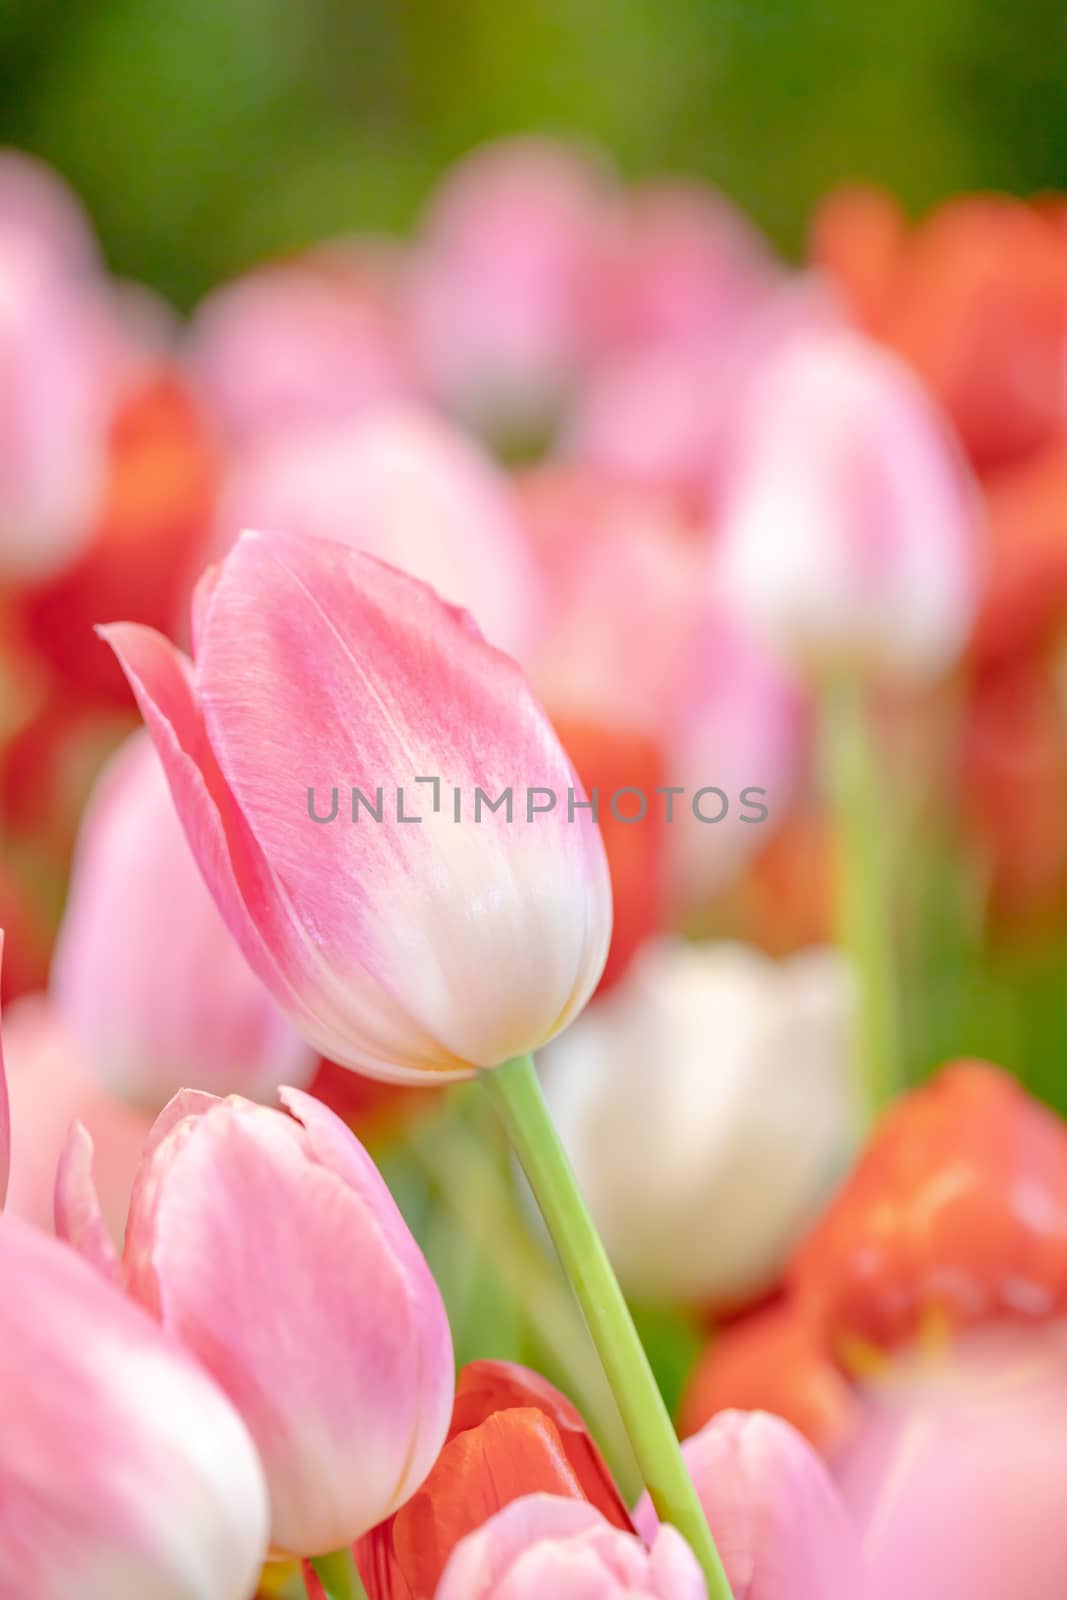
{"x": 124, "y": 1472}
{"x": 78, "y": 1217}
{"x": 778, "y": 1522}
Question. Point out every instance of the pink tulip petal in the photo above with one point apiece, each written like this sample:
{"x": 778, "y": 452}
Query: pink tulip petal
{"x": 79, "y": 1219}
{"x": 124, "y": 1473}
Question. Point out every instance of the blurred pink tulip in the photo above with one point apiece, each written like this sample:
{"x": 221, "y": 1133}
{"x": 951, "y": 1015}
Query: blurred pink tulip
{"x": 542, "y": 1545}
{"x": 269, "y": 1245}
{"x": 776, "y": 1517}
{"x": 124, "y": 1472}
{"x": 503, "y": 279}
{"x": 51, "y": 1085}
{"x": 54, "y": 407}
{"x": 956, "y": 1472}
{"x": 847, "y": 524}
{"x": 399, "y": 950}
{"x": 410, "y": 489}
{"x": 314, "y": 339}
{"x": 35, "y": 198}
{"x": 738, "y": 723}
{"x": 681, "y": 264}
{"x": 182, "y": 1008}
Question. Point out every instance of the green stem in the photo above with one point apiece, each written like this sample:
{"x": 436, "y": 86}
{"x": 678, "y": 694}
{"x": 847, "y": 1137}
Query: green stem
{"x": 516, "y": 1092}
{"x": 863, "y": 892}
{"x": 339, "y": 1576}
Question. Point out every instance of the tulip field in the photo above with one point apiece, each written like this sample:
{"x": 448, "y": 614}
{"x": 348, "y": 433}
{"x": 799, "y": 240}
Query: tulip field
{"x": 533, "y": 888}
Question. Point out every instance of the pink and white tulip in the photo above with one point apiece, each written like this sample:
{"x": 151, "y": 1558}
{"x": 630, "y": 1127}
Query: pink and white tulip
{"x": 406, "y": 487}
{"x": 124, "y": 1471}
{"x": 778, "y": 1522}
{"x": 847, "y": 524}
{"x": 401, "y": 949}
{"x": 544, "y": 1545}
{"x": 180, "y": 1007}
{"x": 35, "y": 199}
{"x": 271, "y": 1248}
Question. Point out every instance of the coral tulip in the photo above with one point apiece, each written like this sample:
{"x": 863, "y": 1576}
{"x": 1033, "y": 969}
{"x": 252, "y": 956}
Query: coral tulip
{"x": 182, "y": 1008}
{"x": 512, "y": 1434}
{"x": 124, "y": 1471}
{"x": 847, "y": 526}
{"x": 678, "y": 1073}
{"x": 778, "y": 1521}
{"x": 410, "y": 489}
{"x": 547, "y": 1546}
{"x": 247, "y": 1224}
{"x": 400, "y": 950}
{"x": 957, "y": 1208}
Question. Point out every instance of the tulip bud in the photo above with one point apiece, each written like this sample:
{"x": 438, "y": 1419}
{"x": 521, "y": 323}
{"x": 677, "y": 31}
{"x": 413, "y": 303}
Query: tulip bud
{"x": 542, "y": 1545}
{"x": 410, "y": 489}
{"x": 273, "y": 1250}
{"x": 124, "y": 1472}
{"x": 407, "y": 928}
{"x": 182, "y": 1007}
{"x": 847, "y": 526}
{"x": 722, "y": 1077}
{"x": 776, "y": 1517}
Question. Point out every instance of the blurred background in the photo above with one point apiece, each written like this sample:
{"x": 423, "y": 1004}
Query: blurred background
{"x": 701, "y": 456}
{"x": 207, "y": 133}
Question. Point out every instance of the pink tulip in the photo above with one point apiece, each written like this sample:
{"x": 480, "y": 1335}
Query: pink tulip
{"x": 503, "y": 279}
{"x": 52, "y": 1085}
{"x": 35, "y": 198}
{"x": 269, "y": 1245}
{"x": 124, "y": 1472}
{"x": 315, "y": 339}
{"x": 956, "y": 1473}
{"x": 847, "y": 524}
{"x": 406, "y": 487}
{"x": 181, "y": 1007}
{"x": 54, "y": 406}
{"x": 681, "y": 264}
{"x": 778, "y": 1523}
{"x": 543, "y": 1545}
{"x": 398, "y": 948}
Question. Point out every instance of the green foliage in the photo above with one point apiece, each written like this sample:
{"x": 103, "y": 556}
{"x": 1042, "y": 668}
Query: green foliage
{"x": 204, "y": 133}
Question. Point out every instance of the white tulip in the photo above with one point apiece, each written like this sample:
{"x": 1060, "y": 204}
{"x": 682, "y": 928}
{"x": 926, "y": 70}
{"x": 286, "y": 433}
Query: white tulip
{"x": 706, "y": 1105}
